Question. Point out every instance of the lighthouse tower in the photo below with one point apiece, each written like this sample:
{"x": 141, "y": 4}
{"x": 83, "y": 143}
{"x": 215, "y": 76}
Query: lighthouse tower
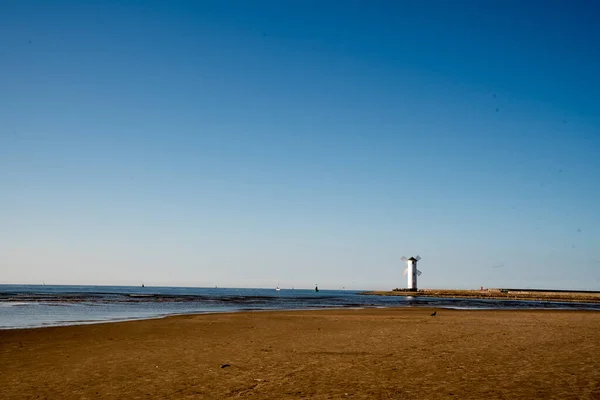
{"x": 411, "y": 271}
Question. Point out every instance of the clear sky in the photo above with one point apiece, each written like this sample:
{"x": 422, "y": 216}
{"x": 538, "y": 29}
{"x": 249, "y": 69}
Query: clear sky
{"x": 257, "y": 143}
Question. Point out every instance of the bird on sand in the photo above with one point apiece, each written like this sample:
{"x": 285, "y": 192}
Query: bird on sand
{"x": 434, "y": 314}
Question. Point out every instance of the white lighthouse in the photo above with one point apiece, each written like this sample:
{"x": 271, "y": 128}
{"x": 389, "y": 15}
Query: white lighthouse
{"x": 411, "y": 271}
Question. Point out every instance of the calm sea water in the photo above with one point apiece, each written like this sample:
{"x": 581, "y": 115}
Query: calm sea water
{"x": 28, "y": 306}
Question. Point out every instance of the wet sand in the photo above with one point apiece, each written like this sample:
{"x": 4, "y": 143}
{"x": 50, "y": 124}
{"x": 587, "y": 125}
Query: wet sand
{"x": 326, "y": 354}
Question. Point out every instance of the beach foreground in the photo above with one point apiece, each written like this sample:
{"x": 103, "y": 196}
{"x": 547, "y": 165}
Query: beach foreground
{"x": 360, "y": 354}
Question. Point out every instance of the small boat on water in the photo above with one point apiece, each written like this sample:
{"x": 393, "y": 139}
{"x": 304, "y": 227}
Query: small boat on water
{"x": 277, "y": 288}
{"x": 316, "y": 288}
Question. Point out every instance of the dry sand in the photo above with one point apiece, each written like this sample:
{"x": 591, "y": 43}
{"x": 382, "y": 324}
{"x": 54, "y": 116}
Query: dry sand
{"x": 328, "y": 354}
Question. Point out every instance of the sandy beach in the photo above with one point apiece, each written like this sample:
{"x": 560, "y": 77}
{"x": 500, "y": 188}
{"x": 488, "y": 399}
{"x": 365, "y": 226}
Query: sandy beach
{"x": 326, "y": 354}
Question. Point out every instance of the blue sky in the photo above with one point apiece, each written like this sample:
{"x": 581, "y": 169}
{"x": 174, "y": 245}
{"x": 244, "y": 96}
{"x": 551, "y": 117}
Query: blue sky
{"x": 252, "y": 144}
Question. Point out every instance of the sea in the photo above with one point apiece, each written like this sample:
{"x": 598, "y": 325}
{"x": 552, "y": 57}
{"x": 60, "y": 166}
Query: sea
{"x": 35, "y": 306}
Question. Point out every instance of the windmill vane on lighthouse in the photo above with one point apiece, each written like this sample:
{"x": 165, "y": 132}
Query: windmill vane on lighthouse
{"x": 411, "y": 271}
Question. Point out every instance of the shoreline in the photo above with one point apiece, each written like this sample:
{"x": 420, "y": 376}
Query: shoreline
{"x": 519, "y": 295}
{"x": 158, "y": 317}
{"x": 242, "y": 311}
